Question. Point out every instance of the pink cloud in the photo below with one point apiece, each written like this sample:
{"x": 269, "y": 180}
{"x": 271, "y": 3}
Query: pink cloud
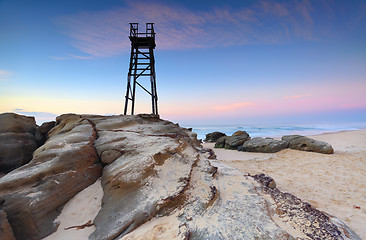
{"x": 104, "y": 33}
{"x": 325, "y": 97}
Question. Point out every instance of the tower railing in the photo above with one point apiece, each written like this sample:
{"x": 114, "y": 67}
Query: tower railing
{"x": 134, "y": 30}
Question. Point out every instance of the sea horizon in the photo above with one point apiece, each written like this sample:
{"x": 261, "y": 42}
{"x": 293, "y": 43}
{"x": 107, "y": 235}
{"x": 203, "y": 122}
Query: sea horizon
{"x": 274, "y": 131}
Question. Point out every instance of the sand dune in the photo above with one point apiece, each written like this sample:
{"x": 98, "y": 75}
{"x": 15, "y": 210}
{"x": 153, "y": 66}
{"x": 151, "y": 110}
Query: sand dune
{"x": 333, "y": 183}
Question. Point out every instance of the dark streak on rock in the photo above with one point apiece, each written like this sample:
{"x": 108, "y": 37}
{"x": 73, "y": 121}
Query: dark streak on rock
{"x": 287, "y": 205}
{"x": 213, "y": 192}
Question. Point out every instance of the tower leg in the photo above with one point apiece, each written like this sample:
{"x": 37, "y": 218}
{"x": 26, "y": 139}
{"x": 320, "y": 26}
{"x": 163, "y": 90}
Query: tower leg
{"x": 133, "y": 96}
{"x": 156, "y": 98}
{"x": 134, "y": 63}
{"x": 152, "y": 95}
{"x": 128, "y": 91}
{"x": 127, "y": 94}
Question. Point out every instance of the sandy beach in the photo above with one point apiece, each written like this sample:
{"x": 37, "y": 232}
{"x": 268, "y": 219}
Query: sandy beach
{"x": 335, "y": 183}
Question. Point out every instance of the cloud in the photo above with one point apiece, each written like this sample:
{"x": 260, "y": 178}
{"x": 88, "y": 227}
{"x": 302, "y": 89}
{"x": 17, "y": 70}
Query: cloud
{"x": 71, "y": 56}
{"x": 104, "y": 33}
{"x": 4, "y": 75}
{"x": 233, "y": 106}
{"x": 297, "y": 96}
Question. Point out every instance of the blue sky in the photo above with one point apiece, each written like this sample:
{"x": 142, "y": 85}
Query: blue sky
{"x": 216, "y": 61}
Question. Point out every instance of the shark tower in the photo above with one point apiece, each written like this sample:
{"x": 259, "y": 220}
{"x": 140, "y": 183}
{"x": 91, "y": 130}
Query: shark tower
{"x": 142, "y": 64}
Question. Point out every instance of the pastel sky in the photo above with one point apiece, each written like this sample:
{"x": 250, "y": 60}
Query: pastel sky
{"x": 217, "y": 61}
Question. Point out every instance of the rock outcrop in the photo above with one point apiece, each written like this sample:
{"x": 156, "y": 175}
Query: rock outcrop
{"x": 302, "y": 143}
{"x": 157, "y": 184}
{"x": 232, "y": 142}
{"x": 264, "y": 145}
{"x": 208, "y": 153}
{"x": 67, "y": 163}
{"x": 220, "y": 143}
{"x": 6, "y": 232}
{"x": 151, "y": 170}
{"x": 41, "y": 132}
{"x": 17, "y": 141}
{"x": 214, "y": 136}
{"x": 238, "y": 207}
{"x": 241, "y": 141}
{"x": 12, "y": 122}
{"x": 241, "y": 133}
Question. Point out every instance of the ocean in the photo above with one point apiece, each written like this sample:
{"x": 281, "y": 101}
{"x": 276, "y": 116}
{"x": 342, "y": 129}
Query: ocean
{"x": 274, "y": 131}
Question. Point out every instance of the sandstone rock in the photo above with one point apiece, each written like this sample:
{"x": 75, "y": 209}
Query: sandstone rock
{"x": 16, "y": 149}
{"x": 11, "y": 122}
{"x": 193, "y": 137}
{"x": 152, "y": 171}
{"x": 220, "y": 143}
{"x": 235, "y": 141}
{"x": 264, "y": 145}
{"x": 63, "y": 166}
{"x": 109, "y": 155}
{"x": 6, "y": 233}
{"x": 17, "y": 141}
{"x": 214, "y": 136}
{"x": 240, "y": 133}
{"x": 235, "y": 211}
{"x": 302, "y": 143}
{"x": 41, "y": 132}
{"x": 233, "y": 206}
{"x": 208, "y": 153}
{"x": 46, "y": 127}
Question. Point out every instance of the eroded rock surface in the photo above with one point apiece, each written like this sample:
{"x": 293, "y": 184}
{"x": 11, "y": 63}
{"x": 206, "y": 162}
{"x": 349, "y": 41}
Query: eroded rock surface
{"x": 17, "y": 141}
{"x": 264, "y": 145}
{"x": 12, "y": 122}
{"x": 222, "y": 203}
{"x": 232, "y": 142}
{"x": 214, "y": 136}
{"x": 6, "y": 232}
{"x": 149, "y": 166}
{"x": 303, "y": 143}
{"x": 67, "y": 163}
{"x": 220, "y": 143}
